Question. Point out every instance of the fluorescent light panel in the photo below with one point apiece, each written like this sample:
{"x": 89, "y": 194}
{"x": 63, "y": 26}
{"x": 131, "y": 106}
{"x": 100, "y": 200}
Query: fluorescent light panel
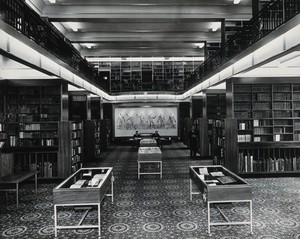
{"x": 111, "y": 59}
{"x": 236, "y": 1}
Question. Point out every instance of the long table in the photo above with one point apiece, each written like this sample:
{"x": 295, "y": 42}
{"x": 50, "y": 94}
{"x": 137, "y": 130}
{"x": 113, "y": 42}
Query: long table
{"x": 17, "y": 178}
{"x": 149, "y": 155}
{"x": 84, "y": 189}
{"x": 219, "y": 185}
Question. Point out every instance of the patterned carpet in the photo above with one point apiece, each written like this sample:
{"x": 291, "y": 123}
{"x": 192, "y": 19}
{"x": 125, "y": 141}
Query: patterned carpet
{"x": 154, "y": 208}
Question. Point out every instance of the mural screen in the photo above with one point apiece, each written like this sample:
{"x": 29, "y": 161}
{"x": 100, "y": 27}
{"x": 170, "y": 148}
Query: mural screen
{"x": 146, "y": 120}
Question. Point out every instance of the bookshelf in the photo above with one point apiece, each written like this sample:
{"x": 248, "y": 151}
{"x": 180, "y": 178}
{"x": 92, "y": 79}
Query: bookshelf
{"x": 30, "y": 118}
{"x": 91, "y": 142}
{"x": 41, "y": 134}
{"x": 97, "y": 139}
{"x": 158, "y": 76}
{"x": 168, "y": 75}
{"x": 105, "y": 134}
{"x": 267, "y": 117}
{"x": 147, "y": 75}
{"x": 3, "y": 135}
{"x": 136, "y": 74}
{"x": 216, "y": 136}
{"x": 115, "y": 77}
{"x": 76, "y": 146}
{"x": 126, "y": 76}
{"x": 43, "y": 161}
{"x": 178, "y": 69}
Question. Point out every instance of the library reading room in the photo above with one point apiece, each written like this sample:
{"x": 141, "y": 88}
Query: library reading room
{"x": 150, "y": 119}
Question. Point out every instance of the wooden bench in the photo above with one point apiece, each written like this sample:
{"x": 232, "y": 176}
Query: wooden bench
{"x": 16, "y": 178}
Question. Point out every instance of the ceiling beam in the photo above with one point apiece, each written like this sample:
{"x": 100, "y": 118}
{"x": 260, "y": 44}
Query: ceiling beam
{"x": 72, "y": 12}
{"x": 78, "y": 37}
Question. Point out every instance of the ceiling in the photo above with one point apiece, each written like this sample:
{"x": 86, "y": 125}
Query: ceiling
{"x": 143, "y": 28}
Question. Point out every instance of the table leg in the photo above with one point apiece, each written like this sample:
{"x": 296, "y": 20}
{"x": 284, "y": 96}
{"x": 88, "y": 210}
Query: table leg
{"x": 55, "y": 221}
{"x": 35, "y": 177}
{"x": 99, "y": 221}
{"x": 160, "y": 170}
{"x": 208, "y": 217}
{"x": 191, "y": 193}
{"x": 17, "y": 194}
{"x": 112, "y": 189}
{"x": 251, "y": 228}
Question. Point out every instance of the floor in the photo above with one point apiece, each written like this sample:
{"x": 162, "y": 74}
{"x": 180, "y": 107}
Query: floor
{"x": 154, "y": 208}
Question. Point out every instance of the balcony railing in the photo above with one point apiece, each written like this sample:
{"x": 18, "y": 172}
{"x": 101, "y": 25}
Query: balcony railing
{"x": 273, "y": 15}
{"x": 17, "y": 14}
{"x": 21, "y": 17}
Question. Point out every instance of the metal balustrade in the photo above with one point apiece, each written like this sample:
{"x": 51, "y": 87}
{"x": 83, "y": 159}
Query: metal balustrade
{"x": 17, "y": 14}
{"x": 273, "y": 15}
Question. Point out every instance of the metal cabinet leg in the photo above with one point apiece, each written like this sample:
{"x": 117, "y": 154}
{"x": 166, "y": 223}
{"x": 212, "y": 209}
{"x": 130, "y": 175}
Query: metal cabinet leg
{"x": 99, "y": 221}
{"x": 191, "y": 192}
{"x": 251, "y": 227}
{"x": 17, "y": 194}
{"x": 208, "y": 217}
{"x": 55, "y": 221}
{"x": 112, "y": 189}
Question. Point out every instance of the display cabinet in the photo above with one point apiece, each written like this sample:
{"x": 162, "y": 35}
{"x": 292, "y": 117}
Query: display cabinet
{"x": 218, "y": 185}
{"x": 86, "y": 189}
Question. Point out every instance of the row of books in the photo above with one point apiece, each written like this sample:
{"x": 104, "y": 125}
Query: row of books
{"x": 76, "y": 150}
{"x": 76, "y": 126}
{"x": 248, "y": 164}
{"x": 244, "y": 138}
{"x": 37, "y": 135}
{"x": 36, "y": 142}
{"x": 76, "y": 134}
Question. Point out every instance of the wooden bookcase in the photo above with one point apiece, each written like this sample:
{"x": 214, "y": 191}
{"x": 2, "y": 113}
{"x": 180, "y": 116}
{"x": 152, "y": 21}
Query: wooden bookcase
{"x": 267, "y": 114}
{"x": 91, "y": 144}
{"x": 158, "y": 75}
{"x": 30, "y": 117}
{"x": 105, "y": 134}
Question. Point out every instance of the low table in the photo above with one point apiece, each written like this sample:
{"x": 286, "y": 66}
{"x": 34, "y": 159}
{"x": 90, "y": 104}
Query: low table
{"x": 218, "y": 185}
{"x": 149, "y": 155}
{"x": 16, "y": 178}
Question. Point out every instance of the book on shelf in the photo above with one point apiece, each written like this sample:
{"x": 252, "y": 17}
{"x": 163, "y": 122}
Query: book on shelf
{"x": 272, "y": 164}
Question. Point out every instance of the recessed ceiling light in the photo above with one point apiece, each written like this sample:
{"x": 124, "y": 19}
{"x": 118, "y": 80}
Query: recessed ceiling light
{"x": 215, "y": 26}
{"x": 236, "y": 1}
{"x": 52, "y": 1}
{"x": 200, "y": 45}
